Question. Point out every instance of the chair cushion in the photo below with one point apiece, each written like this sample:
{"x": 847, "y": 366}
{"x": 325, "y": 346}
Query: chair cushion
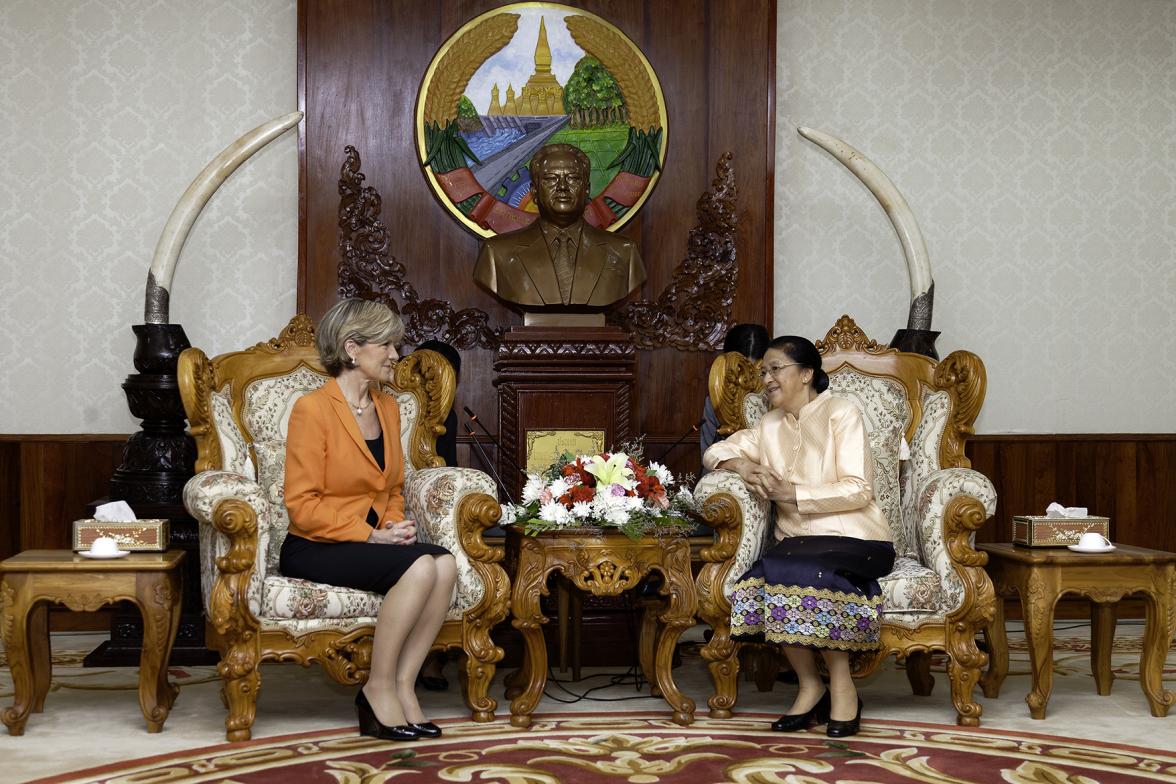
{"x": 289, "y": 597}
{"x": 911, "y": 588}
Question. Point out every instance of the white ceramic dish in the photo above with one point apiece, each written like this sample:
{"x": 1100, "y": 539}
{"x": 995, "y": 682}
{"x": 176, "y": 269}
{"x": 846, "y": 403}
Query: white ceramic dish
{"x": 1078, "y": 549}
{"x": 115, "y": 554}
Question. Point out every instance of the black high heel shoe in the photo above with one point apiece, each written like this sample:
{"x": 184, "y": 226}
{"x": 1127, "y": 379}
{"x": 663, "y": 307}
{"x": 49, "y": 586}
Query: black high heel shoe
{"x": 370, "y": 726}
{"x": 843, "y": 729}
{"x": 794, "y": 722}
{"x": 426, "y": 729}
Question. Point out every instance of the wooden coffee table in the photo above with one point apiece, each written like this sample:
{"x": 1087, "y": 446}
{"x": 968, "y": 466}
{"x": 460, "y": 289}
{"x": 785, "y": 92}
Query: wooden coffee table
{"x": 604, "y": 564}
{"x": 1040, "y": 576}
{"x": 29, "y": 582}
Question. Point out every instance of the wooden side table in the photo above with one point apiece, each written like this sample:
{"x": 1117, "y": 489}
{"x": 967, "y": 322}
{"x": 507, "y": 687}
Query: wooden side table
{"x": 30, "y": 581}
{"x": 1040, "y": 576}
{"x": 604, "y": 564}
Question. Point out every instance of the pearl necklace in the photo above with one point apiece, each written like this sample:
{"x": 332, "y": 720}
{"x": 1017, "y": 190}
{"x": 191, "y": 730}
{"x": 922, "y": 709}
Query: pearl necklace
{"x": 359, "y": 409}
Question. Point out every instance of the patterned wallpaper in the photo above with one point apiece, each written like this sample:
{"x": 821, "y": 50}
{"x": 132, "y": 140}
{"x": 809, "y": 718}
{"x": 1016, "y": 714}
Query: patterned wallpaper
{"x": 108, "y": 109}
{"x": 1036, "y": 144}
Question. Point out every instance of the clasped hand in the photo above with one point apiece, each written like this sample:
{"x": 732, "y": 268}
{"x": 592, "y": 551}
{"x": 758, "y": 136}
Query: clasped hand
{"x": 394, "y": 532}
{"x": 764, "y": 482}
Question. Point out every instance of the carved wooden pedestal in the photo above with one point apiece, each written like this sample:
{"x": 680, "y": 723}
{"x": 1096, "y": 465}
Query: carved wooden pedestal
{"x": 604, "y": 564}
{"x": 562, "y": 379}
{"x": 34, "y": 578}
{"x": 1041, "y": 576}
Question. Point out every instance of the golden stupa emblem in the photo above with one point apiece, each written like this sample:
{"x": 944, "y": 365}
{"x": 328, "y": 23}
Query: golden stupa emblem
{"x": 530, "y": 74}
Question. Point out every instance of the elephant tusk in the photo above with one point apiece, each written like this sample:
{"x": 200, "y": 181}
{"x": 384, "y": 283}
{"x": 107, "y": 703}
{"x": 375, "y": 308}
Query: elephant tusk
{"x": 896, "y": 207}
{"x": 187, "y": 209}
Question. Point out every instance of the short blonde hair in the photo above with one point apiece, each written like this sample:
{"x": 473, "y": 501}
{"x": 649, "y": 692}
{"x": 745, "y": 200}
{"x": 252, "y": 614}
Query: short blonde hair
{"x": 360, "y": 320}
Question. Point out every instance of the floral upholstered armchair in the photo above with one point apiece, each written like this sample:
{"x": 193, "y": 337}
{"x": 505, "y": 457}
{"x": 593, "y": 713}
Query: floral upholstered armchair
{"x": 238, "y": 405}
{"x": 918, "y": 414}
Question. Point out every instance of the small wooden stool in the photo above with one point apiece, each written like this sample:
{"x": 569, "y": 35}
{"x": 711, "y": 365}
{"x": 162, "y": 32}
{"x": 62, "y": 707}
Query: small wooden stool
{"x": 32, "y": 580}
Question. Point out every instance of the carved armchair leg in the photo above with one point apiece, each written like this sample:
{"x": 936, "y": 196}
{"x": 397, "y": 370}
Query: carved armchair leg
{"x": 723, "y": 662}
{"x": 242, "y": 682}
{"x": 480, "y": 664}
{"x": 763, "y": 665}
{"x": 918, "y": 670}
{"x": 965, "y": 660}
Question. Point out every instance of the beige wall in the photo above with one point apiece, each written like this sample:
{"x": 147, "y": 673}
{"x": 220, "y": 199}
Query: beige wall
{"x": 1036, "y": 143}
{"x": 107, "y": 112}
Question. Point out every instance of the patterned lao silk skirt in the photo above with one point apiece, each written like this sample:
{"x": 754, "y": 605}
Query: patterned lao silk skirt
{"x": 815, "y": 592}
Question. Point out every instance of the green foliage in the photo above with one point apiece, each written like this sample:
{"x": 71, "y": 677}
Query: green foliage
{"x": 465, "y": 108}
{"x": 445, "y": 149}
{"x": 591, "y": 86}
{"x": 640, "y": 155}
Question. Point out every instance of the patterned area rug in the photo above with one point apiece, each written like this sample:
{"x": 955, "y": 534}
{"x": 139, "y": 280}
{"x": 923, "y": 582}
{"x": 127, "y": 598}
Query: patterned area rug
{"x": 644, "y": 749}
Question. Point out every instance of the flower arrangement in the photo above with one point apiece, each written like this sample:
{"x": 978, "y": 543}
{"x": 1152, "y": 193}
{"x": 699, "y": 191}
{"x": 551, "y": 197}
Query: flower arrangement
{"x": 609, "y": 490}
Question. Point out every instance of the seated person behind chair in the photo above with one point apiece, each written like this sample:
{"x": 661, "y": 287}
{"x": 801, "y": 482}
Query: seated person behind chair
{"x": 347, "y": 525}
{"x": 750, "y": 340}
{"x": 560, "y": 260}
{"x": 809, "y": 455}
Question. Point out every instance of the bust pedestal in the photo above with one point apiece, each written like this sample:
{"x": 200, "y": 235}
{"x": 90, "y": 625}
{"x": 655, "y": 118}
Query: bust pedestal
{"x": 561, "y": 387}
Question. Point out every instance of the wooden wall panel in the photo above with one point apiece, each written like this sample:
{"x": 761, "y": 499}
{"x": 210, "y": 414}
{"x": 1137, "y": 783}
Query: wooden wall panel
{"x": 47, "y": 481}
{"x": 361, "y": 64}
{"x": 1128, "y": 478}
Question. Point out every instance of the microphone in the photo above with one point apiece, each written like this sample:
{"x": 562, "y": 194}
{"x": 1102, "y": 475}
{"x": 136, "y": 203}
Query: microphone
{"x": 486, "y": 462}
{"x": 693, "y": 429}
{"x": 474, "y": 419}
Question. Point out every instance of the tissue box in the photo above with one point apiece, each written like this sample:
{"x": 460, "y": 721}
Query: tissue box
{"x": 149, "y": 535}
{"x": 1042, "y": 531}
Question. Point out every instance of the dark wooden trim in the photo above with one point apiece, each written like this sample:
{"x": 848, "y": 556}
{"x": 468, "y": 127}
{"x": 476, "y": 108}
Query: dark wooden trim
{"x": 1045, "y": 437}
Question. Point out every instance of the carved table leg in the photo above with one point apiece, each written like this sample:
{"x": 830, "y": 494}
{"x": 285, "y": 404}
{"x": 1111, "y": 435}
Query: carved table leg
{"x": 1102, "y": 634}
{"x": 158, "y": 597}
{"x": 683, "y": 604}
{"x": 528, "y": 619}
{"x": 564, "y": 596}
{"x": 647, "y": 642}
{"x": 1038, "y": 597}
{"x": 1156, "y": 639}
{"x": 40, "y": 653}
{"x": 14, "y": 593}
{"x": 998, "y": 652}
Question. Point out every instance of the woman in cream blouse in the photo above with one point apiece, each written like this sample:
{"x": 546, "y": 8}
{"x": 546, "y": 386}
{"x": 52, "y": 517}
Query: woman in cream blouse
{"x": 816, "y": 589}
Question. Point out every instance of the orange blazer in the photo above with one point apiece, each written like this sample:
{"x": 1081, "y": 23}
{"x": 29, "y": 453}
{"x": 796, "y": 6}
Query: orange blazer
{"x": 332, "y": 480}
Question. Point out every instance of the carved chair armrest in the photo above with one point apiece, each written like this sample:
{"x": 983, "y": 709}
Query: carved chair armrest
{"x": 434, "y": 498}
{"x": 231, "y": 510}
{"x": 739, "y": 520}
{"x": 951, "y": 505}
{"x": 453, "y": 507}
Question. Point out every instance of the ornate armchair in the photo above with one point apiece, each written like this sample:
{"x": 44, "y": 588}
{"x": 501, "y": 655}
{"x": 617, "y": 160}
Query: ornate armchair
{"x": 938, "y": 595}
{"x": 238, "y": 405}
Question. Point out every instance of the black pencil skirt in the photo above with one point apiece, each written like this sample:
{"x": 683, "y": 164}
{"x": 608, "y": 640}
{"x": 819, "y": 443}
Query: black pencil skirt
{"x": 365, "y": 566}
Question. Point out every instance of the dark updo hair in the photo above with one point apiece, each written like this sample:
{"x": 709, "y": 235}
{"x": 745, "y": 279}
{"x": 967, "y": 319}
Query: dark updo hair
{"x": 445, "y": 350}
{"x": 750, "y": 340}
{"x": 804, "y": 353}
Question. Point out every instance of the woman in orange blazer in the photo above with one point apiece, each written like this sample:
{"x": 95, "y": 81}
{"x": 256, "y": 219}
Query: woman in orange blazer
{"x": 344, "y": 477}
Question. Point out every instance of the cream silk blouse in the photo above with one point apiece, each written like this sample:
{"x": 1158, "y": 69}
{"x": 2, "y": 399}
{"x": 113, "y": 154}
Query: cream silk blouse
{"x": 825, "y": 453}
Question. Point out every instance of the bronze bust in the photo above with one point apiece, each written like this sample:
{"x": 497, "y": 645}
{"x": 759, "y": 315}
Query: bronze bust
{"x": 560, "y": 261}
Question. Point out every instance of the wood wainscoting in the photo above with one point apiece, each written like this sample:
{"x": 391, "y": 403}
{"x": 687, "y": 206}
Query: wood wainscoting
{"x": 46, "y": 482}
{"x": 1130, "y": 478}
